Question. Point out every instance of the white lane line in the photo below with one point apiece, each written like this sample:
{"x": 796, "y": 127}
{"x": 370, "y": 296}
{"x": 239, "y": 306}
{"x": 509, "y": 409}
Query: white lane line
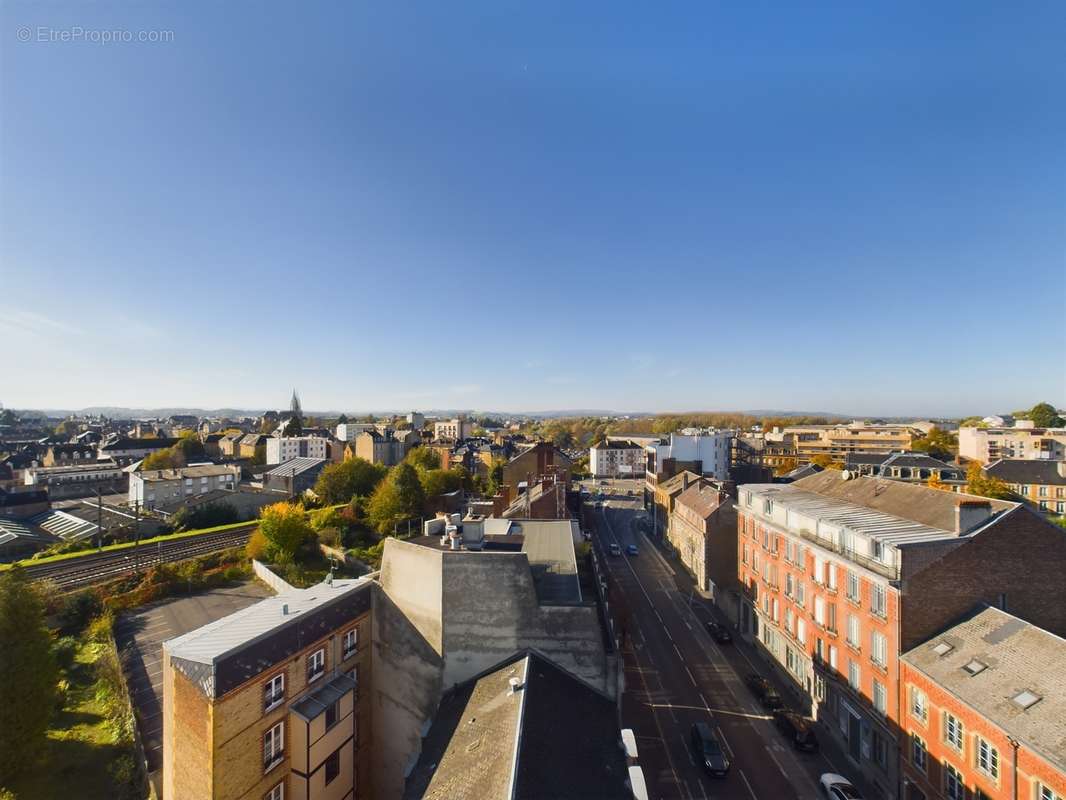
{"x": 745, "y": 777}
{"x": 691, "y": 678}
{"x": 678, "y": 651}
{"x": 688, "y": 751}
{"x": 778, "y": 763}
{"x": 725, "y": 741}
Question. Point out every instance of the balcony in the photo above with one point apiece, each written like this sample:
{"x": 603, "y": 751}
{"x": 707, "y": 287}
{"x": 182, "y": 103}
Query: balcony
{"x": 890, "y": 572}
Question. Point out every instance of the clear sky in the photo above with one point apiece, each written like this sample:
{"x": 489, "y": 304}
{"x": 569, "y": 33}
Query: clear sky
{"x": 539, "y": 205}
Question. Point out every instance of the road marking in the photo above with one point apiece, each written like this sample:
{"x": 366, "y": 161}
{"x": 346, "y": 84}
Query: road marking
{"x": 691, "y": 678}
{"x": 678, "y": 652}
{"x": 778, "y": 763}
{"x": 725, "y": 741}
{"x": 745, "y": 777}
{"x": 705, "y": 703}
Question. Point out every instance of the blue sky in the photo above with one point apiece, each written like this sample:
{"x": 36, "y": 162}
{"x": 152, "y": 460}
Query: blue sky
{"x": 525, "y": 206}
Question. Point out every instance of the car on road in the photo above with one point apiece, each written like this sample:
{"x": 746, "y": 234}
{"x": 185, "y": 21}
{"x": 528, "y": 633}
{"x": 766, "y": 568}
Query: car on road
{"x": 798, "y": 729}
{"x": 708, "y": 750}
{"x": 631, "y": 549}
{"x": 614, "y": 549}
{"x": 720, "y": 633}
{"x": 837, "y": 787}
{"x": 764, "y": 690}
{"x": 604, "y": 483}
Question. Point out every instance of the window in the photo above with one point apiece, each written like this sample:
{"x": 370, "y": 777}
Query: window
{"x": 831, "y": 577}
{"x": 919, "y": 704}
{"x": 880, "y": 750}
{"x": 819, "y": 611}
{"x": 831, "y": 619}
{"x": 273, "y": 692}
{"x": 853, "y": 631}
{"x": 331, "y": 715}
{"x": 954, "y": 788}
{"x": 801, "y": 594}
{"x": 854, "y": 681}
{"x": 277, "y": 793}
{"x": 832, "y": 656}
{"x": 333, "y": 766}
{"x": 273, "y": 746}
{"x": 316, "y": 665}
{"x": 801, "y": 631}
{"x": 953, "y": 731}
{"x": 987, "y": 759}
{"x": 878, "y": 601}
{"x": 788, "y": 584}
{"x": 919, "y": 755}
{"x": 788, "y": 620}
{"x": 351, "y": 642}
{"x": 880, "y": 697}
{"x": 1041, "y": 491}
{"x": 1046, "y": 793}
{"x": 768, "y": 507}
{"x": 853, "y": 587}
{"x": 878, "y": 649}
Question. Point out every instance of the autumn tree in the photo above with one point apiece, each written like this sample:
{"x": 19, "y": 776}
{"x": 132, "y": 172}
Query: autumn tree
{"x": 164, "y": 458}
{"x": 825, "y": 461}
{"x": 285, "y": 528}
{"x": 399, "y": 497}
{"x": 28, "y": 674}
{"x": 984, "y": 485}
{"x": 937, "y": 443}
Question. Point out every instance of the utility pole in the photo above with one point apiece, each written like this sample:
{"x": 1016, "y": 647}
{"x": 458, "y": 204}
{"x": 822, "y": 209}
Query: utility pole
{"x": 136, "y": 532}
{"x": 99, "y": 521}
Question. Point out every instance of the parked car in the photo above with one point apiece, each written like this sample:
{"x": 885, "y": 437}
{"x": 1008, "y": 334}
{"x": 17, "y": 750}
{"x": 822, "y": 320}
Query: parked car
{"x": 631, "y": 549}
{"x": 720, "y": 633}
{"x": 798, "y": 729}
{"x": 764, "y": 690}
{"x": 614, "y": 549}
{"x": 837, "y": 787}
{"x": 708, "y": 750}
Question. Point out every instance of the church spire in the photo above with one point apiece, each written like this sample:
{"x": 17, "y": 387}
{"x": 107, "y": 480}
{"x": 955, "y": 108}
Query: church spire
{"x": 294, "y": 406}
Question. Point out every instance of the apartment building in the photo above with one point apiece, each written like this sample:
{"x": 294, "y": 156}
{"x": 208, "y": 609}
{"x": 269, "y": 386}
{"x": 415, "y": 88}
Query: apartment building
{"x": 253, "y": 446}
{"x": 271, "y": 702}
{"x": 705, "y": 452}
{"x": 125, "y": 450}
{"x": 452, "y": 429}
{"x": 836, "y": 441}
{"x": 662, "y": 495}
{"x": 983, "y": 709}
{"x": 63, "y": 455}
{"x": 163, "y": 487}
{"x": 617, "y": 458}
{"x": 280, "y": 449}
{"x": 381, "y": 447}
{"x": 535, "y": 464}
{"x": 1041, "y": 484}
{"x": 76, "y": 480}
{"x": 347, "y": 431}
{"x": 702, "y": 531}
{"x": 1020, "y": 442}
{"x": 841, "y": 576}
{"x": 910, "y": 467}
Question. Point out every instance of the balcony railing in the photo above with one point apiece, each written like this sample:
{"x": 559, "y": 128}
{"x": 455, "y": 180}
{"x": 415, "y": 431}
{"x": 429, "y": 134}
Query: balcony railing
{"x": 890, "y": 572}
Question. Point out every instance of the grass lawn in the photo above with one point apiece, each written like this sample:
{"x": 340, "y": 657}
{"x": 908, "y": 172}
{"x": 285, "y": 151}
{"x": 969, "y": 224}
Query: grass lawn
{"x": 81, "y": 743}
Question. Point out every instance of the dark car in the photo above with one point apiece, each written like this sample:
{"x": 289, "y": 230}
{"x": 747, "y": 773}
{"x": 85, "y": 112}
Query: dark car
{"x": 764, "y": 690}
{"x": 614, "y": 549}
{"x": 720, "y": 633}
{"x": 708, "y": 750}
{"x": 797, "y": 729}
{"x": 632, "y": 549}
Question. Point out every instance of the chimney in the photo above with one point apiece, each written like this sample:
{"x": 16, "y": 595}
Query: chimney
{"x": 971, "y": 513}
{"x": 284, "y": 609}
{"x": 516, "y": 685}
{"x": 684, "y": 480}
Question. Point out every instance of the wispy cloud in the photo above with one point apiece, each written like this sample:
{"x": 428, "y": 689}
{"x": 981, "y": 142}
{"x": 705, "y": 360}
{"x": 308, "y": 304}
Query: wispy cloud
{"x": 39, "y": 324}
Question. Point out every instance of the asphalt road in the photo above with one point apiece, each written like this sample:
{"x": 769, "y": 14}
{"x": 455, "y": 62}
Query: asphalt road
{"x": 677, "y": 675}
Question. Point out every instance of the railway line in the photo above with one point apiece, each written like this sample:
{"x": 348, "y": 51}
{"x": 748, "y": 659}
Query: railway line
{"x": 88, "y": 569}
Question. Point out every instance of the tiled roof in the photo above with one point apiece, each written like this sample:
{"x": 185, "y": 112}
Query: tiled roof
{"x": 1006, "y": 656}
{"x": 702, "y": 499}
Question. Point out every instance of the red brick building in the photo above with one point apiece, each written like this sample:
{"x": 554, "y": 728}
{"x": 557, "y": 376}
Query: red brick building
{"x": 841, "y": 576}
{"x": 985, "y": 712}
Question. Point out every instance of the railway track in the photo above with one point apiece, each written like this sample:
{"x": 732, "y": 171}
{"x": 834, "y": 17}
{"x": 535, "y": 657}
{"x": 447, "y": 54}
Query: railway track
{"x": 85, "y": 570}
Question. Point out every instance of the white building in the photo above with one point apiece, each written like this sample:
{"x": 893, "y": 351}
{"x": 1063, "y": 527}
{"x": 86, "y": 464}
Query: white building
{"x": 285, "y": 448}
{"x": 162, "y": 487}
{"x": 453, "y": 429}
{"x": 417, "y": 420}
{"x": 347, "y": 431}
{"x": 710, "y": 448}
{"x": 1023, "y": 441}
{"x": 617, "y": 459}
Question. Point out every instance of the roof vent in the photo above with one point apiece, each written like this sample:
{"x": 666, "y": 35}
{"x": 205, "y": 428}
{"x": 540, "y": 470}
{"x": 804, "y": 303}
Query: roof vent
{"x": 943, "y": 649}
{"x": 975, "y": 667}
{"x": 515, "y": 684}
{"x": 284, "y": 608}
{"x": 845, "y": 475}
{"x": 1026, "y": 699}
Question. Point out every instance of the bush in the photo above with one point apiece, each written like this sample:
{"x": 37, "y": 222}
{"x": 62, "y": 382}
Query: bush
{"x": 257, "y": 546}
{"x": 124, "y": 778}
{"x": 76, "y": 610}
{"x": 65, "y": 650}
{"x": 330, "y": 537}
{"x": 99, "y": 630}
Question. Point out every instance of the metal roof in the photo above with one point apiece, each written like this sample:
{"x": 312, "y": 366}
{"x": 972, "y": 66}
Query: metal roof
{"x": 296, "y": 466}
{"x": 311, "y": 706}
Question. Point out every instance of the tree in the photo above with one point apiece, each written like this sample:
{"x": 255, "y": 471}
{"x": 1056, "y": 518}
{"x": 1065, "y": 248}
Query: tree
{"x": 400, "y": 497}
{"x": 423, "y": 458}
{"x": 190, "y": 446}
{"x": 8, "y": 417}
{"x": 972, "y": 422}
{"x": 436, "y": 482}
{"x": 785, "y": 466}
{"x": 353, "y": 477}
{"x": 285, "y": 528}
{"x": 1044, "y": 415}
{"x": 66, "y": 428}
{"x": 826, "y": 461}
{"x": 28, "y": 674}
{"x": 268, "y": 426}
{"x": 934, "y": 482}
{"x": 937, "y": 443}
{"x": 294, "y": 427}
{"x": 983, "y": 485}
{"x": 342, "y": 419}
{"x": 496, "y": 476}
{"x": 166, "y": 458}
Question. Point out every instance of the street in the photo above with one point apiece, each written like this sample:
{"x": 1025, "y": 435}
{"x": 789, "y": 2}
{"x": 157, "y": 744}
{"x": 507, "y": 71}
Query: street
{"x": 677, "y": 675}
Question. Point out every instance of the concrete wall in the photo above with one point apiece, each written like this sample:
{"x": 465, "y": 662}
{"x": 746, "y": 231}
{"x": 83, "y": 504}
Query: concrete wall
{"x": 264, "y": 573}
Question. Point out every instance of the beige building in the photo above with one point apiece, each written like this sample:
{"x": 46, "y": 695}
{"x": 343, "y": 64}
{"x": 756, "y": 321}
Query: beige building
{"x": 271, "y": 702}
{"x": 702, "y": 530}
{"x": 452, "y": 429}
{"x": 380, "y": 447}
{"x": 804, "y": 442}
{"x": 1020, "y": 442}
{"x": 163, "y": 487}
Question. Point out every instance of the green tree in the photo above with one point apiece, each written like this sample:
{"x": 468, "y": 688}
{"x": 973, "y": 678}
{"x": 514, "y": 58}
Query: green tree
{"x": 8, "y": 417}
{"x": 285, "y": 528}
{"x": 423, "y": 458}
{"x": 983, "y": 485}
{"x": 28, "y": 673}
{"x": 938, "y": 444}
{"x": 342, "y": 419}
{"x": 1044, "y": 415}
{"x": 972, "y": 422}
{"x": 353, "y": 477}
{"x": 436, "y": 482}
{"x": 399, "y": 497}
{"x": 190, "y": 447}
{"x": 294, "y": 427}
{"x": 496, "y": 476}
